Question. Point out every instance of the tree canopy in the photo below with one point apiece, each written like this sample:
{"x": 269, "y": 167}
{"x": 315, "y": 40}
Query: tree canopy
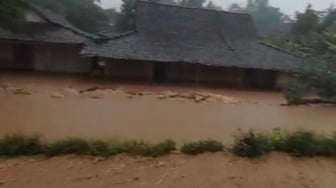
{"x": 10, "y": 11}
{"x": 268, "y": 20}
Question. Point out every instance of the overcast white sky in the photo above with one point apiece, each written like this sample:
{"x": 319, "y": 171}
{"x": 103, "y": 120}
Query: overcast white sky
{"x": 287, "y": 6}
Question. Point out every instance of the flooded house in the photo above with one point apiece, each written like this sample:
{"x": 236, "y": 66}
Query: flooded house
{"x": 43, "y": 41}
{"x": 180, "y": 44}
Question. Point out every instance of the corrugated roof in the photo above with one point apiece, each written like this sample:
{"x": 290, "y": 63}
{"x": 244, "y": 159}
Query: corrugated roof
{"x": 170, "y": 33}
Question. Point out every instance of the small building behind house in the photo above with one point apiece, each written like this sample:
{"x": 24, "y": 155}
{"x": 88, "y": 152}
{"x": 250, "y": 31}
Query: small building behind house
{"x": 180, "y": 44}
{"x": 43, "y": 41}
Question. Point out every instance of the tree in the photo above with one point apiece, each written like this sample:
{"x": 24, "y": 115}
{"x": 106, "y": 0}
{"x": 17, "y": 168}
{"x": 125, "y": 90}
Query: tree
{"x": 328, "y": 22}
{"x": 306, "y": 23}
{"x": 318, "y": 75}
{"x": 11, "y": 11}
{"x": 127, "y": 15}
{"x": 268, "y": 19}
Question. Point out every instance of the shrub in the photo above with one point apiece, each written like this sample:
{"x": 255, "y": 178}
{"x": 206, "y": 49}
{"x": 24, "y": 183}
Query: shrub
{"x": 195, "y": 148}
{"x": 100, "y": 148}
{"x": 69, "y": 146}
{"x": 308, "y": 143}
{"x": 252, "y": 145}
{"x": 20, "y": 145}
{"x": 161, "y": 149}
{"x": 134, "y": 148}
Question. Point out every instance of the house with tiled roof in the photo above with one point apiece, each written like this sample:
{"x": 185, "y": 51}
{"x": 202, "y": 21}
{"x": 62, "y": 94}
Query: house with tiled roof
{"x": 43, "y": 41}
{"x": 181, "y": 44}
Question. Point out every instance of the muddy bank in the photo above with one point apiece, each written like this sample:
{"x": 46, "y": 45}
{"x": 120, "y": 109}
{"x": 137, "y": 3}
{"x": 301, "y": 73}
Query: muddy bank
{"x": 121, "y": 112}
{"x": 209, "y": 170}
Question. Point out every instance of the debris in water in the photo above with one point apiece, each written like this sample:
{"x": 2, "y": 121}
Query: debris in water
{"x": 57, "y": 95}
{"x": 20, "y": 91}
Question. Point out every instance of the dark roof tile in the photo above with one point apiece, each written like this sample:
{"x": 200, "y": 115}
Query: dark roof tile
{"x": 168, "y": 33}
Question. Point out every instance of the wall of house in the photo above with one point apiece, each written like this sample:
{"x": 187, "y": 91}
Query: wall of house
{"x": 282, "y": 80}
{"x": 59, "y": 58}
{"x": 6, "y": 55}
{"x": 184, "y": 72}
{"x": 129, "y": 69}
{"x": 181, "y": 72}
{"x": 221, "y": 75}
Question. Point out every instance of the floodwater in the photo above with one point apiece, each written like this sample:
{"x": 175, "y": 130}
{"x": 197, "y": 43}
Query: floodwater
{"x": 145, "y": 117}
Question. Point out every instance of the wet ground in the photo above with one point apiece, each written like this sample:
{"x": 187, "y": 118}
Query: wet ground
{"x": 204, "y": 171}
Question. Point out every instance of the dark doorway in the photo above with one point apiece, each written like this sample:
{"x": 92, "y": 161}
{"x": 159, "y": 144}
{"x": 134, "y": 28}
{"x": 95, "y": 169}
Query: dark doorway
{"x": 262, "y": 79}
{"x": 23, "y": 57}
{"x": 160, "y": 72}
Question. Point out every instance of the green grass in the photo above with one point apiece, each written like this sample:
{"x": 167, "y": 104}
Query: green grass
{"x": 252, "y": 145}
{"x": 101, "y": 148}
{"x": 300, "y": 143}
{"x": 69, "y": 146}
{"x": 199, "y": 147}
{"x": 144, "y": 149}
{"x": 20, "y": 145}
{"x": 308, "y": 143}
{"x": 161, "y": 149}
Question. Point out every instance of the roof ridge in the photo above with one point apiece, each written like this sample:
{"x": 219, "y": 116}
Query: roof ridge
{"x": 118, "y": 36}
{"x": 121, "y": 35}
{"x": 279, "y": 49}
{"x": 71, "y": 28}
{"x": 192, "y": 8}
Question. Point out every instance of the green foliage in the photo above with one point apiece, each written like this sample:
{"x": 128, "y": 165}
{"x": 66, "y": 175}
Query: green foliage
{"x": 307, "y": 143}
{"x": 306, "y": 23}
{"x": 252, "y": 145}
{"x": 161, "y": 149}
{"x": 268, "y": 20}
{"x": 126, "y": 20}
{"x": 316, "y": 78}
{"x": 19, "y": 145}
{"x": 295, "y": 92}
{"x": 199, "y": 147}
{"x": 69, "y": 146}
{"x": 143, "y": 149}
{"x": 301, "y": 143}
{"x": 11, "y": 11}
{"x": 101, "y": 148}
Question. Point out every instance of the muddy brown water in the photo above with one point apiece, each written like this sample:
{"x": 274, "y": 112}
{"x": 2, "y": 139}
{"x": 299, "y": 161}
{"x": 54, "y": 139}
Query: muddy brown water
{"x": 146, "y": 117}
